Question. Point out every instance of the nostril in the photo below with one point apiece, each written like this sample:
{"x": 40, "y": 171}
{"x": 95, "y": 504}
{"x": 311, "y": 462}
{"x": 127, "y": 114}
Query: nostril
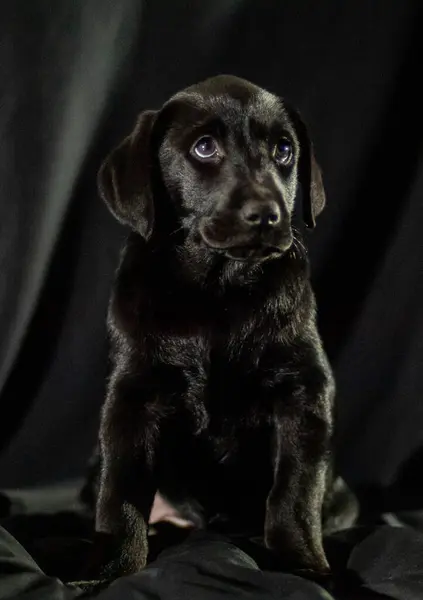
{"x": 273, "y": 217}
{"x": 254, "y": 218}
{"x": 271, "y": 214}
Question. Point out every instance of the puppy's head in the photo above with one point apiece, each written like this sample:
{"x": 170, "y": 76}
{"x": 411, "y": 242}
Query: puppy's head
{"x": 223, "y": 161}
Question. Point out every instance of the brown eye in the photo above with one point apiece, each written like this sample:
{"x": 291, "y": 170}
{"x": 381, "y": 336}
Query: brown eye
{"x": 205, "y": 148}
{"x": 283, "y": 152}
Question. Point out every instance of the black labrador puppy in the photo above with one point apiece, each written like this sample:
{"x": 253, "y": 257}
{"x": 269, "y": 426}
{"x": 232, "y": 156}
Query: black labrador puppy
{"x": 221, "y": 395}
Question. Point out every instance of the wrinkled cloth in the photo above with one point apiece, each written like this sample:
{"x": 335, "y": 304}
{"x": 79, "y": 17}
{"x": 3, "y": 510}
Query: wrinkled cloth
{"x": 384, "y": 563}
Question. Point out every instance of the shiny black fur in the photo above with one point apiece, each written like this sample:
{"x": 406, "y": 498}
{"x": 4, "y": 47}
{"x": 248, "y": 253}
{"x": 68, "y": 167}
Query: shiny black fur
{"x": 221, "y": 394}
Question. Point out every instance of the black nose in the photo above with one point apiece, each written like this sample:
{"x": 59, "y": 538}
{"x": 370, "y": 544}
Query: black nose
{"x": 261, "y": 212}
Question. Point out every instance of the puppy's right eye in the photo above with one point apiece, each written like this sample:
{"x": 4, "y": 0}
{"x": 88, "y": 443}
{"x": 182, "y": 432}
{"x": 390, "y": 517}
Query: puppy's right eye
{"x": 205, "y": 149}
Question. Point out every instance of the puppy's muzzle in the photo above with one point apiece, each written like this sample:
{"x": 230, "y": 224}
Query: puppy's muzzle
{"x": 256, "y": 230}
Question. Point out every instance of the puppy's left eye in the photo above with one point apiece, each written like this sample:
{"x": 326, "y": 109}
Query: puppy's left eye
{"x": 283, "y": 152}
{"x": 206, "y": 148}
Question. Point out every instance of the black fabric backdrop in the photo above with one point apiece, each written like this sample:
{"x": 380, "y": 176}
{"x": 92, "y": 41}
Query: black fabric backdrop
{"x": 73, "y": 77}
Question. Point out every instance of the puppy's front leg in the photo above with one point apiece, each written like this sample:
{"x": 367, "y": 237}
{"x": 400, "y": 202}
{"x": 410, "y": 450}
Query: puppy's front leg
{"x": 129, "y": 438}
{"x": 293, "y": 524}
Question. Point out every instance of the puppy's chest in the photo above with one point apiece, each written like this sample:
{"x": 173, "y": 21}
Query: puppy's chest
{"x": 224, "y": 356}
{"x": 228, "y": 375}
{"x": 211, "y": 353}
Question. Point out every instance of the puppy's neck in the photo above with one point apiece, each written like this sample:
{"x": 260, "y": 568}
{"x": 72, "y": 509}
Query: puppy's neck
{"x": 181, "y": 287}
{"x": 199, "y": 267}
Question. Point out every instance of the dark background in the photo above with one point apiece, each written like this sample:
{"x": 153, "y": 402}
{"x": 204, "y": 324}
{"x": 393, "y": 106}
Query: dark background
{"x": 73, "y": 77}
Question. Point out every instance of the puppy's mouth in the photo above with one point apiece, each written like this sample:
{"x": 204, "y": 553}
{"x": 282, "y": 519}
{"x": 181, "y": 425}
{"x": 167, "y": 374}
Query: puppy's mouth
{"x": 243, "y": 246}
{"x": 254, "y": 252}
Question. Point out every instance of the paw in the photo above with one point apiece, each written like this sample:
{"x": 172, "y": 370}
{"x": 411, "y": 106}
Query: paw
{"x": 122, "y": 566}
{"x": 89, "y": 587}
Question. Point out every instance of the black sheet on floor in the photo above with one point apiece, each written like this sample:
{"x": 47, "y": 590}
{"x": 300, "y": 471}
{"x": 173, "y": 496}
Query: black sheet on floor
{"x": 370, "y": 563}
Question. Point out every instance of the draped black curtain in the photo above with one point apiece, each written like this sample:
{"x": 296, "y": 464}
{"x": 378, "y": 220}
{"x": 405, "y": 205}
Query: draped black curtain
{"x": 73, "y": 77}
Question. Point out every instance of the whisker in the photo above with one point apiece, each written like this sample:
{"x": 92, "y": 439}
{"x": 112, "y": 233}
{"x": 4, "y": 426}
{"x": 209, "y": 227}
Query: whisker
{"x": 176, "y": 230}
{"x": 160, "y": 245}
{"x": 299, "y": 244}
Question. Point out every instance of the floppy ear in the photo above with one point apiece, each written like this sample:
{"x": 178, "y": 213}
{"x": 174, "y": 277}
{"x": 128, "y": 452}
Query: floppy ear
{"x": 309, "y": 173}
{"x": 124, "y": 179}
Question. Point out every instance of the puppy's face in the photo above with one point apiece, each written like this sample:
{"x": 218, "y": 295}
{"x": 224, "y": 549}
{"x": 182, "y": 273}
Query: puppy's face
{"x": 230, "y": 164}
{"x": 226, "y": 157}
